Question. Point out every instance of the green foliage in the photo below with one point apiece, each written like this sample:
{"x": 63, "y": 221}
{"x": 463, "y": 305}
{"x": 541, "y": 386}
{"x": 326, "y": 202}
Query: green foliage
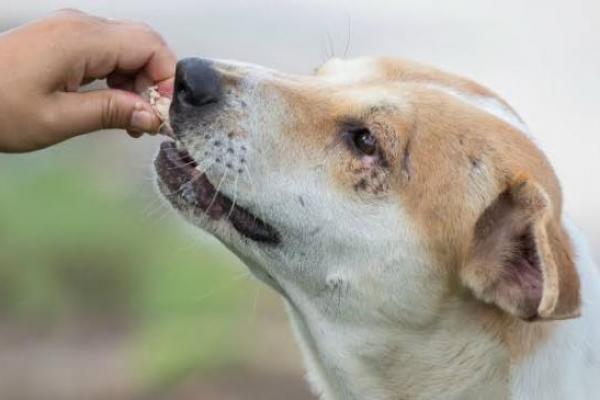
{"x": 75, "y": 244}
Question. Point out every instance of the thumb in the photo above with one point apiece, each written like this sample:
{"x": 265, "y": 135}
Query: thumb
{"x": 84, "y": 112}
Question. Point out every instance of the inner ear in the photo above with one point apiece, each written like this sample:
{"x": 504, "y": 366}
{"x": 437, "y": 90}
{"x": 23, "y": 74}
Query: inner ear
{"x": 523, "y": 277}
{"x": 518, "y": 261}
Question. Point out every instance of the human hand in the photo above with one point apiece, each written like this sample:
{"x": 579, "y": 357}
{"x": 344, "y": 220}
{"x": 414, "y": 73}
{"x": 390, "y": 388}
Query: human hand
{"x": 45, "y": 63}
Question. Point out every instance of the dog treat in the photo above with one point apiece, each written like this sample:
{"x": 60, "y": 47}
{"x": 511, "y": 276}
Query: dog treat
{"x": 161, "y": 105}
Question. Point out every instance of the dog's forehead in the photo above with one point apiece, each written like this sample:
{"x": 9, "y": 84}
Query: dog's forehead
{"x": 368, "y": 70}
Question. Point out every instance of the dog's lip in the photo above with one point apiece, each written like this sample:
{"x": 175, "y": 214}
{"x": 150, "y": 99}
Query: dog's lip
{"x": 177, "y": 171}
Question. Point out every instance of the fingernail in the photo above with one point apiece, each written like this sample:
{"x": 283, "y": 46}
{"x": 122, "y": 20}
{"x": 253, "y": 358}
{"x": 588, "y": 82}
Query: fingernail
{"x": 135, "y": 134}
{"x": 142, "y": 120}
{"x": 165, "y": 88}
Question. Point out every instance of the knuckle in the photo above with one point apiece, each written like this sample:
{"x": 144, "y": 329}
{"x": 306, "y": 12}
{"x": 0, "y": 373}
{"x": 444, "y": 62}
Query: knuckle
{"x": 142, "y": 26}
{"x": 112, "y": 115}
{"x": 72, "y": 19}
{"x": 71, "y": 15}
{"x": 44, "y": 127}
{"x": 69, "y": 12}
{"x": 148, "y": 31}
{"x": 109, "y": 115}
{"x": 47, "y": 119}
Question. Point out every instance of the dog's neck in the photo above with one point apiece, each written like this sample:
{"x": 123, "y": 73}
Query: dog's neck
{"x": 458, "y": 357}
{"x": 353, "y": 363}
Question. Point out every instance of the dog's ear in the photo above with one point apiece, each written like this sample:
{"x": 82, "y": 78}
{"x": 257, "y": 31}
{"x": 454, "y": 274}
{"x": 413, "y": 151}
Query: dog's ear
{"x": 521, "y": 259}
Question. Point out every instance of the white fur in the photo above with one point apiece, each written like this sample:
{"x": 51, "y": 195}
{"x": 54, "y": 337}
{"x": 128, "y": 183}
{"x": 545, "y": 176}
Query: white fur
{"x": 342, "y": 71}
{"x": 490, "y": 105}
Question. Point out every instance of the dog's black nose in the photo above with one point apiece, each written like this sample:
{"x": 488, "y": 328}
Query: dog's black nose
{"x": 196, "y": 82}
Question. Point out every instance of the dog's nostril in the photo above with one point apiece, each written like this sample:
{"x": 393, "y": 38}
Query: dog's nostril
{"x": 181, "y": 88}
{"x": 197, "y": 83}
{"x": 183, "y": 92}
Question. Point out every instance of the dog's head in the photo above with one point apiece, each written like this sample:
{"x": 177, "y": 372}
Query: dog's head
{"x": 372, "y": 190}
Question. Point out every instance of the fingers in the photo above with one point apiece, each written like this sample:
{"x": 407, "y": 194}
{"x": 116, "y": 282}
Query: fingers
{"x": 77, "y": 113}
{"x": 127, "y": 82}
{"x": 132, "y": 57}
{"x": 100, "y": 48}
{"x": 128, "y": 49}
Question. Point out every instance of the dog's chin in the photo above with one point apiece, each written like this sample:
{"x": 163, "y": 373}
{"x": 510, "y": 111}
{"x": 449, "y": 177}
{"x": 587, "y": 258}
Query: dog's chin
{"x": 190, "y": 191}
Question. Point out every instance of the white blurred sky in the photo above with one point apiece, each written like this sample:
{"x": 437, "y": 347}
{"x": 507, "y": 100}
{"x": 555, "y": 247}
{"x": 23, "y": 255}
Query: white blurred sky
{"x": 542, "y": 56}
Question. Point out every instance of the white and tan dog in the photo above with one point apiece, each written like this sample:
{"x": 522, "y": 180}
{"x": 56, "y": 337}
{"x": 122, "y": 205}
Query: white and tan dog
{"x": 412, "y": 226}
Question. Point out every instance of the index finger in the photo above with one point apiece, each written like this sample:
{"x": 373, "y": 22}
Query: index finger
{"x": 130, "y": 48}
{"x": 161, "y": 65}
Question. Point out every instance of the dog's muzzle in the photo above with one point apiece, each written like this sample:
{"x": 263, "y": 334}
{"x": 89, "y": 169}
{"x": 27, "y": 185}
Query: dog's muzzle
{"x": 198, "y": 91}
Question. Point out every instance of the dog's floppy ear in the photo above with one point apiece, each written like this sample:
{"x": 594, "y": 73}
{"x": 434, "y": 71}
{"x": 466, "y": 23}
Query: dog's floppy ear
{"x": 521, "y": 259}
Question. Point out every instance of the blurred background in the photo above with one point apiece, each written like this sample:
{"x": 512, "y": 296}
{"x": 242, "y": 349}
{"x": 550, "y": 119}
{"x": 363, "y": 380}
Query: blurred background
{"x": 105, "y": 293}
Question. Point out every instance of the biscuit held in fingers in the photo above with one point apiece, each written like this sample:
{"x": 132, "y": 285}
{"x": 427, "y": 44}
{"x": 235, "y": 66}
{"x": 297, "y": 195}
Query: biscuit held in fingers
{"x": 159, "y": 97}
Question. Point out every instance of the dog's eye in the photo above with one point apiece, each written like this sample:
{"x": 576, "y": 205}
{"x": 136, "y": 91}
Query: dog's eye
{"x": 364, "y": 141}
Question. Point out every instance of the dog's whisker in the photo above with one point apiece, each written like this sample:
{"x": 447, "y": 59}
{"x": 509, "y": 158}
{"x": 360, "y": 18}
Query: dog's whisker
{"x": 260, "y": 211}
{"x": 331, "y": 46}
{"x": 214, "y": 198}
{"x": 227, "y": 285}
{"x": 154, "y": 207}
{"x": 235, "y": 280}
{"x": 204, "y": 170}
{"x": 347, "y": 48}
{"x": 252, "y": 313}
{"x": 234, "y": 196}
{"x": 325, "y": 56}
{"x": 186, "y": 163}
{"x": 161, "y": 217}
{"x": 339, "y": 305}
{"x": 152, "y": 210}
{"x": 191, "y": 181}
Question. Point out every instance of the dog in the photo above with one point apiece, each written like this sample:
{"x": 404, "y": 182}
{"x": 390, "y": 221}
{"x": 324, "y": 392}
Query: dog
{"x": 408, "y": 219}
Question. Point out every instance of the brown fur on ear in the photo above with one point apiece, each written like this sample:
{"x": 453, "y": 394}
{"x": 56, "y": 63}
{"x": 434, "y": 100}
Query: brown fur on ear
{"x": 521, "y": 259}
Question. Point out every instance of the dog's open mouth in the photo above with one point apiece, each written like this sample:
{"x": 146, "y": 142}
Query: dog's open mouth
{"x": 177, "y": 171}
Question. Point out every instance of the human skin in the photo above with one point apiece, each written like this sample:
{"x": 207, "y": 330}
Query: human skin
{"x": 44, "y": 64}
